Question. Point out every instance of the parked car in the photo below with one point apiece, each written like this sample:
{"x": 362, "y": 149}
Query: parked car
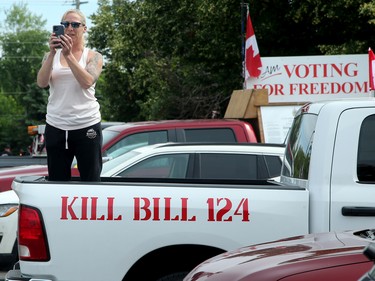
{"x": 200, "y": 160}
{"x": 118, "y": 139}
{"x": 369, "y": 252}
{"x": 8, "y": 227}
{"x": 323, "y": 256}
{"x": 121, "y": 137}
{"x": 171, "y": 160}
{"x": 8, "y": 174}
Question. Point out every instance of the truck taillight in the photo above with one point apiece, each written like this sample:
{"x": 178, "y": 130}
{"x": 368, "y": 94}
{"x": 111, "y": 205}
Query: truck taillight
{"x": 32, "y": 238}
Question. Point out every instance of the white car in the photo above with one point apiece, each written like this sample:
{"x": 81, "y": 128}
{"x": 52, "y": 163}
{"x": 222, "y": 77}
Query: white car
{"x": 8, "y": 227}
{"x": 199, "y": 160}
{"x": 246, "y": 161}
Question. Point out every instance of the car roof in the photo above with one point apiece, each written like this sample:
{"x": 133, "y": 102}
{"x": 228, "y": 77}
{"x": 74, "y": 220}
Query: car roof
{"x": 173, "y": 123}
{"x": 213, "y": 146}
{"x": 336, "y": 104}
{"x": 106, "y": 124}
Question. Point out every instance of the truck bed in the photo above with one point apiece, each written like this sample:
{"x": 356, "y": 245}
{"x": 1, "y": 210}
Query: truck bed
{"x": 193, "y": 183}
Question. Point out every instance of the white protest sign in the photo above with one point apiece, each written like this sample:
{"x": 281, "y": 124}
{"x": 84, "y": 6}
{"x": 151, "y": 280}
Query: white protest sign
{"x": 312, "y": 78}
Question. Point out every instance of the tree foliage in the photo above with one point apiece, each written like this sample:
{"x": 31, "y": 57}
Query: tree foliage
{"x": 182, "y": 59}
{"x": 311, "y": 27}
{"x": 11, "y": 115}
{"x": 170, "y": 59}
{"x": 23, "y": 45}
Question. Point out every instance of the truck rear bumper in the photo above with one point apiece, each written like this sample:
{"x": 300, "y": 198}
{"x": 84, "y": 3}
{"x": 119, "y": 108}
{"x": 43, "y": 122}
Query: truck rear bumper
{"x": 15, "y": 275}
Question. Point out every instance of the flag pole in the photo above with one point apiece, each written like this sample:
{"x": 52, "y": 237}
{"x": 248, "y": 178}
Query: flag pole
{"x": 253, "y": 62}
{"x": 243, "y": 35}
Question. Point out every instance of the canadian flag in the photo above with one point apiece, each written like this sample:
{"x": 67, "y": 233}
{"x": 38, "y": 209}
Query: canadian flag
{"x": 253, "y": 63}
{"x": 371, "y": 59}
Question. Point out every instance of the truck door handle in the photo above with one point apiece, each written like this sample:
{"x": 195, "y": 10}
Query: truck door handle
{"x": 358, "y": 211}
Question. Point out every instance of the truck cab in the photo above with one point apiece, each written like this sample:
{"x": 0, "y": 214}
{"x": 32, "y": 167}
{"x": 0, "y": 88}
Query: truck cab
{"x": 330, "y": 152}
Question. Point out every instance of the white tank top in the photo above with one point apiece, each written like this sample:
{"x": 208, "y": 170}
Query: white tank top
{"x": 70, "y": 107}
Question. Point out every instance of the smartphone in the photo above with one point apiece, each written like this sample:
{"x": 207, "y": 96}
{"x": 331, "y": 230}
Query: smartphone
{"x": 58, "y": 30}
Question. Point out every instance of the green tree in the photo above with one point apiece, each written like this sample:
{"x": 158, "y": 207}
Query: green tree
{"x": 313, "y": 27}
{"x": 169, "y": 60}
{"x": 182, "y": 59}
{"x": 23, "y": 45}
{"x": 11, "y": 115}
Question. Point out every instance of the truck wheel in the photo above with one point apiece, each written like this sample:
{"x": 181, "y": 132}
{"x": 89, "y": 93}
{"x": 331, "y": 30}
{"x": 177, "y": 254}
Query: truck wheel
{"x": 177, "y": 276}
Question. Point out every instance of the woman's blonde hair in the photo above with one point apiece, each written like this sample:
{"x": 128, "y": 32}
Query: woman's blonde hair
{"x": 76, "y": 11}
{"x": 81, "y": 15}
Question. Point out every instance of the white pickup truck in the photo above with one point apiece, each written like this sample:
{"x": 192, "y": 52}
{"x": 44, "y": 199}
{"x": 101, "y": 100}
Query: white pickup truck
{"x": 147, "y": 229}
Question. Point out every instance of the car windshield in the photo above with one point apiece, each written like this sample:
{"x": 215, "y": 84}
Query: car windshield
{"x": 109, "y": 165}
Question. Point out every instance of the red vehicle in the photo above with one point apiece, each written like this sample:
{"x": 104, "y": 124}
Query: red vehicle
{"x": 118, "y": 139}
{"x": 7, "y": 175}
{"x": 369, "y": 252}
{"x": 324, "y": 257}
{"x": 131, "y": 135}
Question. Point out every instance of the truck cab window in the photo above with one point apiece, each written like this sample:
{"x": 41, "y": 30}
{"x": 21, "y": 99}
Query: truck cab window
{"x": 210, "y": 135}
{"x": 298, "y": 148}
{"x": 366, "y": 150}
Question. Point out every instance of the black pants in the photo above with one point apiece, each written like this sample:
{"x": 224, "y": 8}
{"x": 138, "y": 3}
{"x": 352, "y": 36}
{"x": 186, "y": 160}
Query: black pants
{"x": 85, "y": 144}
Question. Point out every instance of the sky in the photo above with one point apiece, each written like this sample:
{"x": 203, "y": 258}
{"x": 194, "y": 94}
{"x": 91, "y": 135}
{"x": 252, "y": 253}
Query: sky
{"x": 51, "y": 10}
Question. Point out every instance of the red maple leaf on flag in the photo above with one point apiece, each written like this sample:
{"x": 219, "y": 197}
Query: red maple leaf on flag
{"x": 253, "y": 63}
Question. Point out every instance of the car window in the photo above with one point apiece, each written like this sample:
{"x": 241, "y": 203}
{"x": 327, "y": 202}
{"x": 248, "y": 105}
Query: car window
{"x": 210, "y": 135}
{"x": 228, "y": 166}
{"x": 162, "y": 166}
{"x": 113, "y": 163}
{"x": 274, "y": 165}
{"x": 366, "y": 150}
{"x": 136, "y": 140}
{"x": 108, "y": 135}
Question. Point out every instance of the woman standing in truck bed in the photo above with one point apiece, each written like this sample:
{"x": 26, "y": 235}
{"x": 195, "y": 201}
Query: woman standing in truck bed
{"x": 73, "y": 116}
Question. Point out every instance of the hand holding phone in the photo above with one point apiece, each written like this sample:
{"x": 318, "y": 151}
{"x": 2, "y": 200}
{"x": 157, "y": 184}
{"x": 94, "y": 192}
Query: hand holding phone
{"x": 58, "y": 30}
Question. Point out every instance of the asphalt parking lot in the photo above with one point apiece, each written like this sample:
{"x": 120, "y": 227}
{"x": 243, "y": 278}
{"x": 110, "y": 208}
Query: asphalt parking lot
{"x": 3, "y": 271}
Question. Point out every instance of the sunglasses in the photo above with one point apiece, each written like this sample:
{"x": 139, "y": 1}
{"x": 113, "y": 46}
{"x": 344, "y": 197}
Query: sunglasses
{"x": 74, "y": 24}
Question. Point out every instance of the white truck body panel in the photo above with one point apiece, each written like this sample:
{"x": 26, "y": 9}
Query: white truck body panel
{"x": 194, "y": 218}
{"x": 346, "y": 190}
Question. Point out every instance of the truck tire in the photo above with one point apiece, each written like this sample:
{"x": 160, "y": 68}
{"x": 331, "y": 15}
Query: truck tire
{"x": 177, "y": 276}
